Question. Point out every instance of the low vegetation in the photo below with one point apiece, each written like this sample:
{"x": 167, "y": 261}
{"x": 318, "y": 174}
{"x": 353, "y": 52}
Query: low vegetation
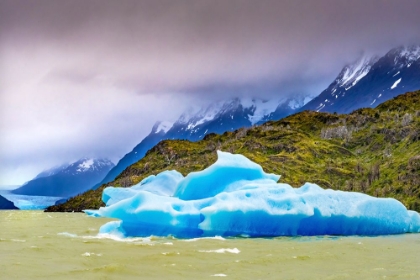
{"x": 375, "y": 151}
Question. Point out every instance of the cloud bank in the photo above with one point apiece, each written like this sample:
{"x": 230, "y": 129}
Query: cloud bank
{"x": 89, "y": 78}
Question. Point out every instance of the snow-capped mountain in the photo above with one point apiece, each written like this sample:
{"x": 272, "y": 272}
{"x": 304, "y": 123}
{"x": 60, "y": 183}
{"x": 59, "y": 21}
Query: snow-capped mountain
{"x": 230, "y": 115}
{"x": 371, "y": 81}
{"x": 217, "y": 117}
{"x": 67, "y": 180}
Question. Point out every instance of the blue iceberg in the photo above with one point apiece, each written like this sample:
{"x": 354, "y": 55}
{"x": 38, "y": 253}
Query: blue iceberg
{"x": 235, "y": 197}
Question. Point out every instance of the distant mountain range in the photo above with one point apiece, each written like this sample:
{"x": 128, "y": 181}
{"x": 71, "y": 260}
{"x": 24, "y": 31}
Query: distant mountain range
{"x": 6, "y": 204}
{"x": 67, "y": 180}
{"x": 366, "y": 83}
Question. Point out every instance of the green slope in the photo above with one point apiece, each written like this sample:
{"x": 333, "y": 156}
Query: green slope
{"x": 375, "y": 151}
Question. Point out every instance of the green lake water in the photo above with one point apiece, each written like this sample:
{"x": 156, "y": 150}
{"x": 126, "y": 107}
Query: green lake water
{"x": 37, "y": 245}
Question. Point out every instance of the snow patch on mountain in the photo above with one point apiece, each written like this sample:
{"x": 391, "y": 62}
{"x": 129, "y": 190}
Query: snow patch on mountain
{"x": 86, "y": 164}
{"x": 353, "y": 73}
{"x": 320, "y": 107}
{"x": 396, "y": 83}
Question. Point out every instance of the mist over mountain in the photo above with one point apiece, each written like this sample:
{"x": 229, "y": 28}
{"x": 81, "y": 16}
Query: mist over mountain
{"x": 218, "y": 117}
{"x": 93, "y": 76}
{"x": 366, "y": 83}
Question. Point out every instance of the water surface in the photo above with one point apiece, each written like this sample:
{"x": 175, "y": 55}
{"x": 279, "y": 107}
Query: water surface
{"x": 37, "y": 245}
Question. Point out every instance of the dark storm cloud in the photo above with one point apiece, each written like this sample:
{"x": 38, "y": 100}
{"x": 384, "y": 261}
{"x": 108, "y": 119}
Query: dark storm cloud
{"x": 76, "y": 72}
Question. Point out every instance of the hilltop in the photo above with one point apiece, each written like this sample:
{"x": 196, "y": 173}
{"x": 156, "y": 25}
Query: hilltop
{"x": 374, "y": 151}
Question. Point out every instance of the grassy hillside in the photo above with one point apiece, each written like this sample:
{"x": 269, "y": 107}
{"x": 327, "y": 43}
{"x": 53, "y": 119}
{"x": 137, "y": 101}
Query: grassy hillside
{"x": 375, "y": 151}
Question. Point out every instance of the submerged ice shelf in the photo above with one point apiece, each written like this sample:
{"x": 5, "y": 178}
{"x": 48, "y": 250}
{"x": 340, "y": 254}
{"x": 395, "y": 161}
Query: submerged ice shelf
{"x": 234, "y": 196}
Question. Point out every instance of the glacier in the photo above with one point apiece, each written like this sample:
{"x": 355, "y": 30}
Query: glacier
{"x": 235, "y": 197}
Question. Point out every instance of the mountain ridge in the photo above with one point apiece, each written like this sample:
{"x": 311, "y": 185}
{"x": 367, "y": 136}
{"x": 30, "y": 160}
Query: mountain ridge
{"x": 194, "y": 124}
{"x": 360, "y": 84}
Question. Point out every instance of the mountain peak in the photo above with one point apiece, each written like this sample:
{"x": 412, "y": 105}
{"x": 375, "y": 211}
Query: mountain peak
{"x": 88, "y": 165}
{"x": 371, "y": 81}
{"x": 353, "y": 73}
{"x": 256, "y": 109}
{"x": 195, "y": 116}
{"x": 404, "y": 55}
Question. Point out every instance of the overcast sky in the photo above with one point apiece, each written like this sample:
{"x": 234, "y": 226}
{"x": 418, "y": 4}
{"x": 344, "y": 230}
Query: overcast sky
{"x": 90, "y": 77}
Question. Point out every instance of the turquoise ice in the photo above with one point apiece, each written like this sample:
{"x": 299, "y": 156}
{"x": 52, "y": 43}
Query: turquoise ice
{"x": 235, "y": 197}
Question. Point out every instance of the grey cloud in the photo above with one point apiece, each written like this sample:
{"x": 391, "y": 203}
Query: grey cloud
{"x": 173, "y": 45}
